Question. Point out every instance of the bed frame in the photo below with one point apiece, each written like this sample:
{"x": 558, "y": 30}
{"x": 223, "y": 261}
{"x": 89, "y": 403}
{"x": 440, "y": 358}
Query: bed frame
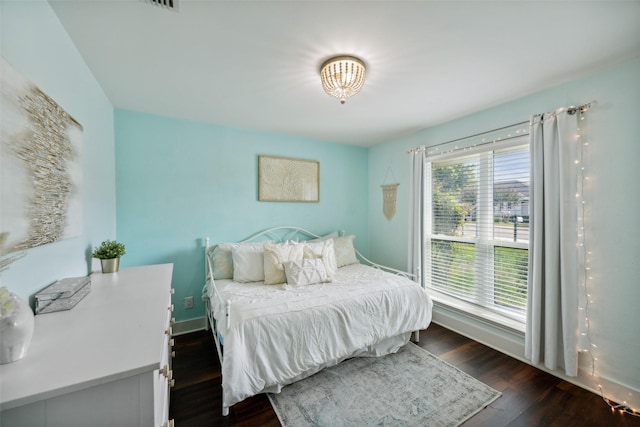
{"x": 277, "y": 235}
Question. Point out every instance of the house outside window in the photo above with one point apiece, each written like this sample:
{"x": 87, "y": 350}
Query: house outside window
{"x": 477, "y": 225}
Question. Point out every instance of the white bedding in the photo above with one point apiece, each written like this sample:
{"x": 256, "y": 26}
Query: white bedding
{"x": 279, "y": 334}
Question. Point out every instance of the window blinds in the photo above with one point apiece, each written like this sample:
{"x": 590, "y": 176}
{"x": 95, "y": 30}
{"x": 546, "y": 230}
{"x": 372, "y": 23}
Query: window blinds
{"x": 477, "y": 225}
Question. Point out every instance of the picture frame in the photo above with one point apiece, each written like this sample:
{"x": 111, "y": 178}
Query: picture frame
{"x": 284, "y": 179}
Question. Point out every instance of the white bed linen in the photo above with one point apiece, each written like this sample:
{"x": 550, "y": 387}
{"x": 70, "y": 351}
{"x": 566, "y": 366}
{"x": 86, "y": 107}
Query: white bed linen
{"x": 279, "y": 334}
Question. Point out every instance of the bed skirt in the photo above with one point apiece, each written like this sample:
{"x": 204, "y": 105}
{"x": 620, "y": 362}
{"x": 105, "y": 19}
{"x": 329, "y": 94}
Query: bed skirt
{"x": 387, "y": 346}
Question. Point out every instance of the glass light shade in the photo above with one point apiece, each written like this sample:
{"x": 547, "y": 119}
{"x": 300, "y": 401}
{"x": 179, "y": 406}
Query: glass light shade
{"x": 342, "y": 76}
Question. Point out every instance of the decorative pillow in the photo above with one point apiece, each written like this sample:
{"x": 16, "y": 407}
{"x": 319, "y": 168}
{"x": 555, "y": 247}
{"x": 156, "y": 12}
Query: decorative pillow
{"x": 325, "y": 251}
{"x": 221, "y": 261}
{"x": 248, "y": 262}
{"x": 274, "y": 256}
{"x": 345, "y": 252}
{"x": 305, "y": 272}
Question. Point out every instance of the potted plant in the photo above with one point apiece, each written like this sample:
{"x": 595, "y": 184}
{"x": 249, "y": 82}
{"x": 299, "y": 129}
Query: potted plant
{"x": 109, "y": 253}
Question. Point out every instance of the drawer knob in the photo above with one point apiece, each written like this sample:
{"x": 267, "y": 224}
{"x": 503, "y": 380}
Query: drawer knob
{"x": 173, "y": 354}
{"x": 171, "y": 307}
{"x": 172, "y": 342}
{"x": 172, "y": 383}
{"x": 172, "y": 321}
{"x": 168, "y": 373}
{"x": 169, "y": 331}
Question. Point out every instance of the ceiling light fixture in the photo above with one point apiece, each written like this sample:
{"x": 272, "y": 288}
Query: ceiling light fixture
{"x": 342, "y": 76}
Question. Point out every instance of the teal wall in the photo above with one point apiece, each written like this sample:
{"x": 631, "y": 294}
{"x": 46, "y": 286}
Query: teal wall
{"x": 34, "y": 42}
{"x": 179, "y": 181}
{"x": 612, "y": 202}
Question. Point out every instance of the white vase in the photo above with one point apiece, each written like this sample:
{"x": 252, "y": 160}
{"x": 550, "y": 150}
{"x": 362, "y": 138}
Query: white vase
{"x": 16, "y": 328}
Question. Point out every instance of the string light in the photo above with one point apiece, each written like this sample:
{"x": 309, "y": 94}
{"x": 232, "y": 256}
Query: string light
{"x": 589, "y": 347}
{"x": 585, "y": 345}
{"x": 438, "y": 150}
{"x": 622, "y": 408}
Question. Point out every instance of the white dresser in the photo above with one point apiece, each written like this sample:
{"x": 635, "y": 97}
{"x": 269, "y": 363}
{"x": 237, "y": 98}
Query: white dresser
{"x": 106, "y": 362}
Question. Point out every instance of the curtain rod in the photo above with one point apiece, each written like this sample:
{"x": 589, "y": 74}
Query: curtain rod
{"x": 571, "y": 110}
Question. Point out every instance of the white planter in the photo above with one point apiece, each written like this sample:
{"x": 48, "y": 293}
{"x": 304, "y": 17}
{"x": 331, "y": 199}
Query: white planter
{"x": 110, "y": 265}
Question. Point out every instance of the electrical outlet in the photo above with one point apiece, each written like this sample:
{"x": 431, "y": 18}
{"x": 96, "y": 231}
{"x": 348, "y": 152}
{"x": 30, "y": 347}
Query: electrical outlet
{"x": 188, "y": 302}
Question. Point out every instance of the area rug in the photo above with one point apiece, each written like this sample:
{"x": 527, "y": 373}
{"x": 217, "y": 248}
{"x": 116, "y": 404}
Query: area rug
{"x": 410, "y": 388}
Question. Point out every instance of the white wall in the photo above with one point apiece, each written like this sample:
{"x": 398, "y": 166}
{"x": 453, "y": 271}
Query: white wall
{"x": 34, "y": 42}
{"x": 612, "y": 197}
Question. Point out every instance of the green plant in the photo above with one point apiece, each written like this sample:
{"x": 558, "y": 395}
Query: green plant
{"x": 109, "y": 249}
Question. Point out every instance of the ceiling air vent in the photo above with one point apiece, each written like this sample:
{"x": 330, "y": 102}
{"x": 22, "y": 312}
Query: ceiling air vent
{"x": 166, "y": 4}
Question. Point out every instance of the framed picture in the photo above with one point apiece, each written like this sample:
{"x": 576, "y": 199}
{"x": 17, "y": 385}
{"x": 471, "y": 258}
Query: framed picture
{"x": 282, "y": 179}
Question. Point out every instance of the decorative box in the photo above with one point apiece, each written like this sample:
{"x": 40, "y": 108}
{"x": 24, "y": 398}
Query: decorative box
{"x": 62, "y": 295}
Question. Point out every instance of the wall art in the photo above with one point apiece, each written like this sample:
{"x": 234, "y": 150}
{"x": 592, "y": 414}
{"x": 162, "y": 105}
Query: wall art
{"x": 282, "y": 179}
{"x": 40, "y": 166}
{"x": 389, "y": 197}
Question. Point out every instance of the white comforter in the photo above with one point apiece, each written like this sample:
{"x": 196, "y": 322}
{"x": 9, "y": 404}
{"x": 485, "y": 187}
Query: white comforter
{"x": 280, "y": 334}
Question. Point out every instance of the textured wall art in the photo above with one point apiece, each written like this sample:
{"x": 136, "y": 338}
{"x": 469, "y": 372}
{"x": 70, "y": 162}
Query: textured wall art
{"x": 389, "y": 197}
{"x": 282, "y": 179}
{"x": 40, "y": 166}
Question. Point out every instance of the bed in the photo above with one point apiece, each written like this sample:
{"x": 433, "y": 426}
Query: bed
{"x": 286, "y": 303}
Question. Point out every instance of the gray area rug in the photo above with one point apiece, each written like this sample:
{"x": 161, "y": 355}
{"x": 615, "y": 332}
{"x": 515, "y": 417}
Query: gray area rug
{"x": 410, "y": 388}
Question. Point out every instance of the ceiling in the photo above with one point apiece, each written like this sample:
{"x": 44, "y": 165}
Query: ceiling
{"x": 255, "y": 64}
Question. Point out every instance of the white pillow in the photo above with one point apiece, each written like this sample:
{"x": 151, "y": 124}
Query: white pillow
{"x": 274, "y": 256}
{"x": 345, "y": 252}
{"x": 305, "y": 272}
{"x": 248, "y": 262}
{"x": 324, "y": 250}
{"x": 221, "y": 261}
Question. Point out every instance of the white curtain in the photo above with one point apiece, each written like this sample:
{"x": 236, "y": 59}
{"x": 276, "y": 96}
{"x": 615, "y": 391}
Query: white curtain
{"x": 552, "y": 310}
{"x": 416, "y": 213}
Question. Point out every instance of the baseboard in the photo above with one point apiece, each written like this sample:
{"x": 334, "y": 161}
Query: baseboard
{"x": 511, "y": 343}
{"x": 187, "y": 326}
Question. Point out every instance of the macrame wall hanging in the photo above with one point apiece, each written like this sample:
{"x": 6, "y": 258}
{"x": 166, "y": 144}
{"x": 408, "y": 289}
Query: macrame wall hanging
{"x": 389, "y": 196}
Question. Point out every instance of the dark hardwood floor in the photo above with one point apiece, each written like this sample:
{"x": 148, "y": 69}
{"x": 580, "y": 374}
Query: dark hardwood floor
{"x": 530, "y": 397}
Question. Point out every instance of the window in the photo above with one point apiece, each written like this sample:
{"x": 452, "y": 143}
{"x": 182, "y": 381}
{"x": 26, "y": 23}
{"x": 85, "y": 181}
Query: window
{"x": 477, "y": 225}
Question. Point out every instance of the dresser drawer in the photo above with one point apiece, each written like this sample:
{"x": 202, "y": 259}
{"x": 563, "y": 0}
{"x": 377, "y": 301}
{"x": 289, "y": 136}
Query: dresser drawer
{"x": 167, "y": 341}
{"x": 161, "y": 398}
{"x": 163, "y": 377}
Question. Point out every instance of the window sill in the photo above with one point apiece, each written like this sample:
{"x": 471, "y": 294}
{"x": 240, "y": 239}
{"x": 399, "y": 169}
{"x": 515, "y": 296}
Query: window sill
{"x": 477, "y": 313}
